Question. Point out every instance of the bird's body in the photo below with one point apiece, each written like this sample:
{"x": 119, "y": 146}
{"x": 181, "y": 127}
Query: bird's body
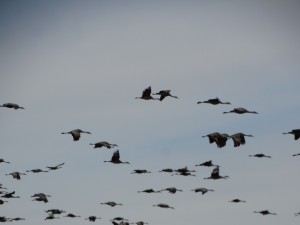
{"x": 296, "y": 154}
{"x": 71, "y": 215}
{"x": 147, "y": 95}
{"x": 51, "y": 217}
{"x": 76, "y": 133}
{"x": 40, "y": 197}
{"x": 10, "y": 195}
{"x": 37, "y": 171}
{"x": 167, "y": 170}
{"x": 112, "y": 204}
{"x": 295, "y": 132}
{"x": 214, "y": 101}
{"x": 139, "y": 223}
{"x": 92, "y": 218}
{"x": 104, "y": 144}
{"x": 215, "y": 174}
{"x": 171, "y": 190}
{"x": 55, "y": 211}
{"x": 207, "y": 164}
{"x": 202, "y": 190}
{"x": 55, "y": 167}
{"x": 16, "y": 175}
{"x": 219, "y": 139}
{"x": 140, "y": 171}
{"x": 241, "y": 111}
{"x": 165, "y": 93}
{"x": 116, "y": 158}
{"x": 12, "y": 106}
{"x": 162, "y": 205}
{"x": 239, "y": 139}
{"x": 260, "y": 155}
{"x": 265, "y": 212}
{"x": 149, "y": 191}
{"x": 236, "y": 200}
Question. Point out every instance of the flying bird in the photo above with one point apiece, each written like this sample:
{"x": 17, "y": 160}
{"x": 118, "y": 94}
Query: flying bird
{"x": 3, "y": 161}
{"x": 55, "y": 211}
{"x": 164, "y": 93}
{"x": 171, "y": 190}
{"x": 236, "y": 200}
{"x": 40, "y": 197}
{"x": 265, "y": 212}
{"x": 71, "y": 215}
{"x": 147, "y": 95}
{"x": 2, "y": 202}
{"x": 12, "y": 106}
{"x": 239, "y": 139}
{"x": 260, "y": 155}
{"x": 167, "y": 170}
{"x": 116, "y": 158}
{"x": 55, "y": 167}
{"x": 10, "y": 195}
{"x": 207, "y": 164}
{"x": 112, "y": 204}
{"x": 296, "y": 154}
{"x": 162, "y": 205}
{"x": 140, "y": 171}
{"x": 37, "y": 171}
{"x": 202, "y": 190}
{"x": 92, "y": 218}
{"x": 76, "y": 133}
{"x": 295, "y": 132}
{"x": 149, "y": 191}
{"x": 16, "y": 175}
{"x": 240, "y": 111}
{"x": 215, "y": 174}
{"x": 215, "y": 101}
{"x": 219, "y": 139}
{"x": 140, "y": 223}
{"x": 104, "y": 144}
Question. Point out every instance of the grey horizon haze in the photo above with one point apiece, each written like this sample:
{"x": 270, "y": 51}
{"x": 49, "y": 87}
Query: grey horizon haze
{"x": 80, "y": 65}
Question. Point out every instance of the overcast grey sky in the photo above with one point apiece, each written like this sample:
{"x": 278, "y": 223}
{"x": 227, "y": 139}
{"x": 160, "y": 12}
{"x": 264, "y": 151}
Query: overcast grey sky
{"x": 80, "y": 64}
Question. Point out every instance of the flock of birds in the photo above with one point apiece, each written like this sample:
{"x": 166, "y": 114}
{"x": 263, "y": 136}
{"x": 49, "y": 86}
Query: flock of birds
{"x": 220, "y": 139}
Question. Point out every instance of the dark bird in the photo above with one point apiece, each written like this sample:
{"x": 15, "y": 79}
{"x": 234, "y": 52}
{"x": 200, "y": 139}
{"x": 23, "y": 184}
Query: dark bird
{"x": 104, "y": 144}
{"x": 162, "y": 205}
{"x": 71, "y": 215}
{"x": 112, "y": 204}
{"x": 260, "y": 155}
{"x": 139, "y": 223}
{"x": 51, "y": 217}
{"x": 296, "y": 154}
{"x": 219, "y": 139}
{"x": 37, "y": 171}
{"x": 165, "y": 93}
{"x": 240, "y": 111}
{"x": 202, "y": 190}
{"x": 214, "y": 101}
{"x": 265, "y": 212}
{"x": 16, "y": 175}
{"x": 3, "y": 161}
{"x": 184, "y": 169}
{"x": 116, "y": 158}
{"x": 55, "y": 167}
{"x": 140, "y": 171}
{"x": 184, "y": 173}
{"x": 55, "y": 211}
{"x": 118, "y": 218}
{"x": 17, "y": 219}
{"x": 149, "y": 191}
{"x": 295, "y": 132}
{"x": 167, "y": 170}
{"x": 40, "y": 197}
{"x": 76, "y": 133}
{"x": 215, "y": 174}
{"x": 207, "y": 164}
{"x": 12, "y": 106}
{"x": 2, "y": 202}
{"x": 147, "y": 95}
{"x": 171, "y": 190}
{"x": 92, "y": 218}
{"x": 10, "y": 195}
{"x": 3, "y": 219}
{"x": 297, "y": 214}
{"x": 236, "y": 200}
{"x": 239, "y": 139}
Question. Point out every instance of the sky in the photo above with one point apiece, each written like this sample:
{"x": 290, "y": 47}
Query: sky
{"x": 80, "y": 64}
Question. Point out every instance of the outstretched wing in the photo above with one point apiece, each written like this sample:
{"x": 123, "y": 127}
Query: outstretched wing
{"x": 116, "y": 156}
{"x": 147, "y": 92}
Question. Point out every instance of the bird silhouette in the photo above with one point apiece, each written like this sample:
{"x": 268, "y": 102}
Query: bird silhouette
{"x": 207, "y": 164}
{"x": 55, "y": 211}
{"x": 241, "y": 111}
{"x": 16, "y": 175}
{"x": 71, "y": 215}
{"x": 17, "y": 219}
{"x": 171, "y": 190}
{"x": 116, "y": 158}
{"x": 37, "y": 171}
{"x": 167, "y": 170}
{"x": 296, "y": 154}
{"x": 215, "y": 174}
{"x": 3, "y": 161}
{"x": 295, "y": 132}
{"x": 2, "y": 202}
{"x": 51, "y": 217}
{"x": 236, "y": 200}
{"x": 12, "y": 106}
{"x": 214, "y": 101}
{"x": 55, "y": 167}
{"x": 149, "y": 191}
{"x": 162, "y": 205}
{"x": 40, "y": 197}
{"x": 147, "y": 95}
{"x": 239, "y": 139}
{"x": 76, "y": 133}
{"x": 92, "y": 218}
{"x": 219, "y": 139}
{"x": 104, "y": 144}
{"x": 260, "y": 155}
{"x": 202, "y": 190}
{"x": 140, "y": 223}
{"x": 10, "y": 195}
{"x": 140, "y": 171}
{"x": 112, "y": 204}
{"x": 265, "y": 212}
{"x": 165, "y": 93}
